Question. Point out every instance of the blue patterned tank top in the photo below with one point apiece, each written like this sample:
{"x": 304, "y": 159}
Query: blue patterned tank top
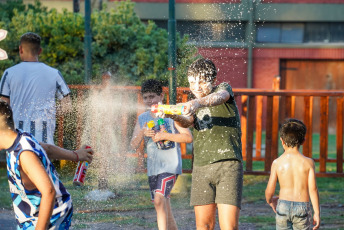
{"x": 26, "y": 202}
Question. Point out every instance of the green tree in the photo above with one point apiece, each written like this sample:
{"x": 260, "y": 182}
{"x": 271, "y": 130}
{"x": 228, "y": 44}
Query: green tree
{"x": 122, "y": 44}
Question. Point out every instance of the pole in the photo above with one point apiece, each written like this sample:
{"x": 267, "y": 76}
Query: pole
{"x": 172, "y": 60}
{"x": 76, "y": 6}
{"x": 88, "y": 40}
{"x": 250, "y": 31}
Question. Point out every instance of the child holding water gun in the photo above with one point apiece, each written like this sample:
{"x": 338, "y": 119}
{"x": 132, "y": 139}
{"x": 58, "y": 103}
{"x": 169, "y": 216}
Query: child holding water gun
{"x": 163, "y": 165}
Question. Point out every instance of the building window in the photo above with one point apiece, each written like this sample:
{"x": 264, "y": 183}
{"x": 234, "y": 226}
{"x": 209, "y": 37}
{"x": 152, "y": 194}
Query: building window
{"x": 300, "y": 32}
{"x": 337, "y": 32}
{"x": 269, "y": 33}
{"x": 292, "y": 32}
{"x": 209, "y": 31}
{"x": 280, "y": 32}
{"x": 317, "y": 32}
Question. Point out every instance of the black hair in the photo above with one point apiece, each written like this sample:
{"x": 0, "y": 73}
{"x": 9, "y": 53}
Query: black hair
{"x": 6, "y": 115}
{"x": 203, "y": 68}
{"x": 293, "y": 132}
{"x": 151, "y": 86}
{"x": 32, "y": 41}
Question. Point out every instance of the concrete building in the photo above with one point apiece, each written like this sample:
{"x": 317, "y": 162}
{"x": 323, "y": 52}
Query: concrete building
{"x": 252, "y": 41}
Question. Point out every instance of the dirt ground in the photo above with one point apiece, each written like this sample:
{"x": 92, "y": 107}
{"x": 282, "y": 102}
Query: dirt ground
{"x": 184, "y": 218}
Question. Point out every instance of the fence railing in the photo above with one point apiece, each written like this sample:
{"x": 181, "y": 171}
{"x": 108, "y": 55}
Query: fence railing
{"x": 262, "y": 111}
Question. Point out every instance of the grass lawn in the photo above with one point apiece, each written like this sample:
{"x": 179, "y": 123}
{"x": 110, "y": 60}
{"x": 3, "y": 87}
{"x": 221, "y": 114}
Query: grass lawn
{"x": 135, "y": 198}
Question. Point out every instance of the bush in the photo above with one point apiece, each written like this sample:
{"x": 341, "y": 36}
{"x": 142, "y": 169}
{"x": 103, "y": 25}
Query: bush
{"x": 121, "y": 43}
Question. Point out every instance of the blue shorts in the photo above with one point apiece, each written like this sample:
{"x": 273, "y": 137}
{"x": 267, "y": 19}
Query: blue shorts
{"x": 293, "y": 215}
{"x": 162, "y": 183}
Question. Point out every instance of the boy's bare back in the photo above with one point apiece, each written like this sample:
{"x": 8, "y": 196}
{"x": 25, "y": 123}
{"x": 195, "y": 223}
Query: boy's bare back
{"x": 293, "y": 172}
{"x": 296, "y": 176}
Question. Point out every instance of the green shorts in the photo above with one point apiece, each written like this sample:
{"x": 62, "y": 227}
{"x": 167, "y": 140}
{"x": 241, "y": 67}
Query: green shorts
{"x": 220, "y": 183}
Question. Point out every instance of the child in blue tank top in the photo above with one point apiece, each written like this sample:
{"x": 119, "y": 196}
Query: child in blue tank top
{"x": 40, "y": 200}
{"x": 163, "y": 165}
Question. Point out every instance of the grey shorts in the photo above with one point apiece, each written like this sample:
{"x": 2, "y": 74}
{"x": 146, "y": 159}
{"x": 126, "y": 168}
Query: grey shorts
{"x": 293, "y": 215}
{"x": 219, "y": 183}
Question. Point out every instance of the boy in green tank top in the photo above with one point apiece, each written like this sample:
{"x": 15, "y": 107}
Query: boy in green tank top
{"x": 217, "y": 176}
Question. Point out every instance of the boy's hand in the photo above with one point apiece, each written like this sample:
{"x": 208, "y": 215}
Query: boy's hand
{"x": 191, "y": 107}
{"x": 149, "y": 132}
{"x": 159, "y": 136}
{"x": 273, "y": 203}
{"x": 85, "y": 154}
{"x": 316, "y": 221}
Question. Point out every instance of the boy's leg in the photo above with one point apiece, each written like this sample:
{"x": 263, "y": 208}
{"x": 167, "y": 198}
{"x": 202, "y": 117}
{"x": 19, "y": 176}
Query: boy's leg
{"x": 229, "y": 193}
{"x": 203, "y": 196}
{"x": 161, "y": 211}
{"x": 205, "y": 216}
{"x": 228, "y": 216}
{"x": 161, "y": 186}
{"x": 171, "y": 222}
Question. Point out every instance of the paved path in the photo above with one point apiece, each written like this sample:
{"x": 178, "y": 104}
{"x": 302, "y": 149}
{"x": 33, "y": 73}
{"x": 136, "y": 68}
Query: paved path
{"x": 7, "y": 220}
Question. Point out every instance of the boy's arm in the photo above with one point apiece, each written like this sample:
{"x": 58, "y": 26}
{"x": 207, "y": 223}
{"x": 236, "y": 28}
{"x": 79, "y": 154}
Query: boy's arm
{"x": 314, "y": 196}
{"x": 184, "y": 135}
{"x": 212, "y": 99}
{"x": 180, "y": 120}
{"x": 57, "y": 153}
{"x": 138, "y": 135}
{"x": 33, "y": 168}
{"x": 270, "y": 188}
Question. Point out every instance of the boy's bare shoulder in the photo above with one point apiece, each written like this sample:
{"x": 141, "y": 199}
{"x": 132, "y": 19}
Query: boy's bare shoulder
{"x": 308, "y": 160}
{"x": 277, "y": 160}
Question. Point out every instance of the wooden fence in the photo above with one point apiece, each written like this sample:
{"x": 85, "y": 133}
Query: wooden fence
{"x": 262, "y": 111}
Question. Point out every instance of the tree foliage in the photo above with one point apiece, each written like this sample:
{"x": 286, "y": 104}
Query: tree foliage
{"x": 121, "y": 43}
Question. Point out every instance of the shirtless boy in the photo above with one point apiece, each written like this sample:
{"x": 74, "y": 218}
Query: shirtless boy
{"x": 296, "y": 176}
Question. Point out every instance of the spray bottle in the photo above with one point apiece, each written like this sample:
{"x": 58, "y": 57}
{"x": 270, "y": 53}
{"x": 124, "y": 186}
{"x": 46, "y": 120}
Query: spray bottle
{"x": 169, "y": 109}
{"x": 80, "y": 172}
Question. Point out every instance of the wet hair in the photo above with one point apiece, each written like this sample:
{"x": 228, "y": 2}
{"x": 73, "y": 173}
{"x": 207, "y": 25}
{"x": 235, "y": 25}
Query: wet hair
{"x": 204, "y": 69}
{"x": 6, "y": 116}
{"x": 293, "y": 132}
{"x": 32, "y": 42}
{"x": 151, "y": 86}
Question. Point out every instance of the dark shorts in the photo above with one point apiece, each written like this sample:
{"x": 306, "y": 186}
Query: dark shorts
{"x": 220, "y": 183}
{"x": 162, "y": 183}
{"x": 293, "y": 215}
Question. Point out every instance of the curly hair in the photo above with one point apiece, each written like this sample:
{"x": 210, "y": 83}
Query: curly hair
{"x": 293, "y": 132}
{"x": 204, "y": 69}
{"x": 6, "y": 116}
{"x": 151, "y": 86}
